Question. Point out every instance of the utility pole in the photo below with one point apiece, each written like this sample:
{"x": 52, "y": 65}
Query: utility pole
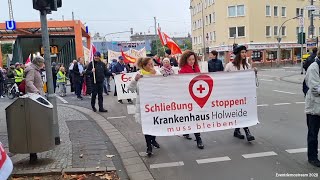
{"x": 311, "y": 27}
{"x": 51, "y": 95}
{"x": 10, "y": 10}
{"x": 155, "y": 34}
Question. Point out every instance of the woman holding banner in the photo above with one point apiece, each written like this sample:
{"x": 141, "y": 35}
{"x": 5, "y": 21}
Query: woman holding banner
{"x": 239, "y": 64}
{"x": 189, "y": 64}
{"x": 146, "y": 69}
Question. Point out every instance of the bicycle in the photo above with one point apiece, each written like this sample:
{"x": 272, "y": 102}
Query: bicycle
{"x": 11, "y": 89}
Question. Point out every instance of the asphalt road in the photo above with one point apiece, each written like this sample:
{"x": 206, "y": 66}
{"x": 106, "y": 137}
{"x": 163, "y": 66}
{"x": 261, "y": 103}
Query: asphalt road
{"x": 279, "y": 148}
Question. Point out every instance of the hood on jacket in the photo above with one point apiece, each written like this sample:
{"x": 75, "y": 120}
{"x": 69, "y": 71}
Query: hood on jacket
{"x": 31, "y": 67}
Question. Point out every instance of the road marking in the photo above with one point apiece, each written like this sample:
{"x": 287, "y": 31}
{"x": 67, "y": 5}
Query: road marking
{"x": 212, "y": 160}
{"x": 283, "y": 92}
{"x": 300, "y": 102}
{"x": 269, "y": 80}
{"x": 293, "y": 151}
{"x": 164, "y": 165}
{"x": 119, "y": 117}
{"x": 63, "y": 100}
{"x": 266, "y": 75}
{"x": 263, "y": 105}
{"x": 262, "y": 154}
{"x": 281, "y": 104}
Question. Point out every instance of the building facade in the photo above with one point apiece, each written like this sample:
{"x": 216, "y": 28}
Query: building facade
{"x": 219, "y": 24}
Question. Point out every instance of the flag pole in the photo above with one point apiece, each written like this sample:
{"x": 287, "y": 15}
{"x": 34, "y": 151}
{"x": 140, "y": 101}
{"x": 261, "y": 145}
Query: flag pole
{"x": 92, "y": 61}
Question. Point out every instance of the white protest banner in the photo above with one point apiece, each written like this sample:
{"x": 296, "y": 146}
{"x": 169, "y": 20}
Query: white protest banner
{"x": 122, "y": 82}
{"x": 86, "y": 54}
{"x": 192, "y": 103}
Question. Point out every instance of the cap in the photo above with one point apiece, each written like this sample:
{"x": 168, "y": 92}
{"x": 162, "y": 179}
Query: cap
{"x": 97, "y": 54}
{"x": 168, "y": 51}
{"x": 120, "y": 58}
{"x": 238, "y": 49}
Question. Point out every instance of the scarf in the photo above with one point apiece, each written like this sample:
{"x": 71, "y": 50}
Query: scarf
{"x": 144, "y": 72}
{"x": 167, "y": 70}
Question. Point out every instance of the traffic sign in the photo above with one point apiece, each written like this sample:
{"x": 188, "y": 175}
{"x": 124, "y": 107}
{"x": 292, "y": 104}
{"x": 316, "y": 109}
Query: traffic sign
{"x": 11, "y": 25}
{"x": 311, "y": 8}
{"x": 301, "y": 21}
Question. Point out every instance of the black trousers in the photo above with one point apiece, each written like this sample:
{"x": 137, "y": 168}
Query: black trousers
{"x": 313, "y": 123}
{"x": 78, "y": 87}
{"x": 149, "y": 140}
{"x": 97, "y": 89}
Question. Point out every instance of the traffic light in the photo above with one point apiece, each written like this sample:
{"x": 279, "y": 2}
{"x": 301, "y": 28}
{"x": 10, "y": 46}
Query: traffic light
{"x": 301, "y": 38}
{"x": 52, "y": 5}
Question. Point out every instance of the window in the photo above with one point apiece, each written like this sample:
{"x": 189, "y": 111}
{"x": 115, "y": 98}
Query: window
{"x": 232, "y": 11}
{"x": 297, "y": 30}
{"x": 283, "y": 12}
{"x": 283, "y": 31}
{"x": 268, "y": 31}
{"x": 232, "y": 32}
{"x": 206, "y": 20}
{"x": 301, "y": 12}
{"x": 275, "y": 30}
{"x": 297, "y": 11}
{"x": 275, "y": 11}
{"x": 213, "y": 17}
{"x": 214, "y": 36}
{"x": 210, "y": 36}
{"x": 200, "y": 40}
{"x": 241, "y": 31}
{"x": 236, "y": 32}
{"x": 240, "y": 10}
{"x": 210, "y": 19}
{"x": 268, "y": 10}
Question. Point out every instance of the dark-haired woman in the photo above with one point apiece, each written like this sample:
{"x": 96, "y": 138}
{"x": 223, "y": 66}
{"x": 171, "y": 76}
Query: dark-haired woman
{"x": 189, "y": 64}
{"x": 239, "y": 64}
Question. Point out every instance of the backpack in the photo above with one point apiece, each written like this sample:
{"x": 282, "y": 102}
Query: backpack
{"x": 305, "y": 88}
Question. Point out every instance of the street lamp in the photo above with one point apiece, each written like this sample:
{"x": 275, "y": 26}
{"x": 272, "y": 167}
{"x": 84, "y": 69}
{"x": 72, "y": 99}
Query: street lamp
{"x": 280, "y": 37}
{"x": 203, "y": 36}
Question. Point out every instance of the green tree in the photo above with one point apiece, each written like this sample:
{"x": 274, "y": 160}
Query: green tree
{"x": 6, "y": 49}
{"x": 157, "y": 48}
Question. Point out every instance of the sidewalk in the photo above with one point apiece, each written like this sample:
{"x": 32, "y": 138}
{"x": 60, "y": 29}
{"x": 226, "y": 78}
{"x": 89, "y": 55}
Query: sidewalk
{"x": 84, "y": 147}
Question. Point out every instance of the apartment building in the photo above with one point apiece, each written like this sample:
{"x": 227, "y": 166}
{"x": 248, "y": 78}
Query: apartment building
{"x": 218, "y": 24}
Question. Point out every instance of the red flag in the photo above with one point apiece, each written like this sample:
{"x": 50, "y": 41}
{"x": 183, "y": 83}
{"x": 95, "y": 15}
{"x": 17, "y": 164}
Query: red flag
{"x": 128, "y": 59}
{"x": 28, "y": 61}
{"x": 167, "y": 41}
{"x": 93, "y": 50}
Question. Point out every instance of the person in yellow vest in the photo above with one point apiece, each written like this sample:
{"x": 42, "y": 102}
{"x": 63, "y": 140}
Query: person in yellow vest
{"x": 18, "y": 74}
{"x": 61, "y": 81}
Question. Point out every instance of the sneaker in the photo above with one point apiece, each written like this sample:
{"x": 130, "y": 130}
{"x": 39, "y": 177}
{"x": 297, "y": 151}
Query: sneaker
{"x": 80, "y": 98}
{"x": 1, "y": 97}
{"x": 120, "y": 101}
{"x": 94, "y": 109}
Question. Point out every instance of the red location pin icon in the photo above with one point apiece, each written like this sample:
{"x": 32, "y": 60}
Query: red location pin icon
{"x": 200, "y": 89}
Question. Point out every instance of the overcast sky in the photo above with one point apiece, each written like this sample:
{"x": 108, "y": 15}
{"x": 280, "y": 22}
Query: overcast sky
{"x": 107, "y": 16}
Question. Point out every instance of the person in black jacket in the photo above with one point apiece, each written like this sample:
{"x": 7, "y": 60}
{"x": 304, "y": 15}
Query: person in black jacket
{"x": 214, "y": 64}
{"x": 310, "y": 59}
{"x": 120, "y": 68}
{"x": 173, "y": 60}
{"x": 54, "y": 76}
{"x": 78, "y": 72}
{"x": 100, "y": 71}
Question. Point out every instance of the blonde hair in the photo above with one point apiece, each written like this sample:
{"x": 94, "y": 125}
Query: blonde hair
{"x": 142, "y": 62}
{"x": 61, "y": 68}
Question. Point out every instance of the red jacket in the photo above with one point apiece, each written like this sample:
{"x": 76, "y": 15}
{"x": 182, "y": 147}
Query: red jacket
{"x": 189, "y": 69}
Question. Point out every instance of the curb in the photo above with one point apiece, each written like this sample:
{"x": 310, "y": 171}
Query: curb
{"x": 62, "y": 171}
{"x": 134, "y": 165}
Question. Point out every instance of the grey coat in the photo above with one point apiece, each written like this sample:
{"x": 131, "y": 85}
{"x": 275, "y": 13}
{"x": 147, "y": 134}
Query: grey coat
{"x": 312, "y": 100}
{"x": 34, "y": 82}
